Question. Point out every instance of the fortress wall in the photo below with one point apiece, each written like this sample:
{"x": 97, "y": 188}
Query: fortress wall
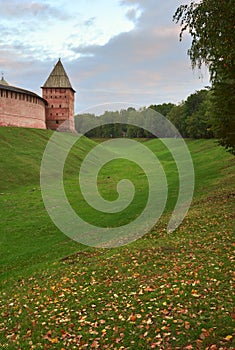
{"x": 21, "y": 110}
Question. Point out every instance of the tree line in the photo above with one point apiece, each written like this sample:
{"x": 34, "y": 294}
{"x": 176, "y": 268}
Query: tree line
{"x": 192, "y": 118}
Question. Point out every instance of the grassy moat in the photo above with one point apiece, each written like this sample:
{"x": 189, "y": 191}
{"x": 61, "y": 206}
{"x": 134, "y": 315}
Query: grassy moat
{"x": 163, "y": 291}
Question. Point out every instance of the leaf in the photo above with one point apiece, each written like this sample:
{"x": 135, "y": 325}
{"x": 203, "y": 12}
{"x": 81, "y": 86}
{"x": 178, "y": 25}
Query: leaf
{"x": 149, "y": 321}
{"x": 54, "y": 340}
{"x": 132, "y": 318}
{"x": 149, "y": 289}
{"x": 95, "y": 344}
{"x": 228, "y": 337}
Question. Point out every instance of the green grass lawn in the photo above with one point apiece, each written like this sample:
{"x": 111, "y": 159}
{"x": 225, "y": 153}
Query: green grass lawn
{"x": 163, "y": 291}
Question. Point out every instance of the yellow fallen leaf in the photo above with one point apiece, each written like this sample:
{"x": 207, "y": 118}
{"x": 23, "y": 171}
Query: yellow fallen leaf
{"x": 54, "y": 340}
{"x": 228, "y": 337}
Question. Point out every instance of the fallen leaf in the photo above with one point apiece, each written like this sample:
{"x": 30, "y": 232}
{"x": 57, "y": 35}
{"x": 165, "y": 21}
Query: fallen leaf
{"x": 228, "y": 337}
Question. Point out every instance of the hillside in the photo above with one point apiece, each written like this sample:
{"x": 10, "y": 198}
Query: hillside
{"x": 164, "y": 291}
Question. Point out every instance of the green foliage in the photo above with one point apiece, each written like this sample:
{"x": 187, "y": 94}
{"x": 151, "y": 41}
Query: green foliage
{"x": 192, "y": 119}
{"x": 211, "y": 26}
{"x": 163, "y": 108}
{"x": 116, "y": 124}
{"x": 223, "y": 111}
{"x": 176, "y": 116}
{"x": 197, "y": 113}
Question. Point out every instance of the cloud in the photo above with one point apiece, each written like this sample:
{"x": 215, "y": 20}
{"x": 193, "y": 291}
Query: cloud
{"x": 145, "y": 48}
{"x": 133, "y": 2}
{"x": 132, "y": 14}
{"x": 89, "y": 22}
{"x": 30, "y": 29}
{"x": 25, "y": 8}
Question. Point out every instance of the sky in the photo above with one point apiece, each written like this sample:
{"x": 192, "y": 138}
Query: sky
{"x": 124, "y": 51}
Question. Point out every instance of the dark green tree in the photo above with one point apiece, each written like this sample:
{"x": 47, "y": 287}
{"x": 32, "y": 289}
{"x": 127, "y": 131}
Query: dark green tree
{"x": 177, "y": 118}
{"x": 211, "y": 24}
{"x": 163, "y": 108}
{"x": 197, "y": 115}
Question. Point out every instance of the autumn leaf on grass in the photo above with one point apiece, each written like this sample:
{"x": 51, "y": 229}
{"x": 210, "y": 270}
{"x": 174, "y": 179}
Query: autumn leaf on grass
{"x": 95, "y": 344}
{"x": 213, "y": 347}
{"x": 149, "y": 289}
{"x": 189, "y": 347}
{"x": 204, "y": 334}
{"x": 132, "y": 318}
{"x": 228, "y": 337}
{"x": 48, "y": 335}
{"x": 195, "y": 293}
{"x": 54, "y": 340}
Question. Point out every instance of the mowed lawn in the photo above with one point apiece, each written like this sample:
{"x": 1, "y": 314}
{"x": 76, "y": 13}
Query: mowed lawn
{"x": 163, "y": 291}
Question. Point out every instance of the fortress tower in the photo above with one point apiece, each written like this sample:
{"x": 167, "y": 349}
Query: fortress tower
{"x": 59, "y": 94}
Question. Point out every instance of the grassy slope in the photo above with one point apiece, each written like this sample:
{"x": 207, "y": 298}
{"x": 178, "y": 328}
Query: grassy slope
{"x": 163, "y": 291}
{"x": 28, "y": 237}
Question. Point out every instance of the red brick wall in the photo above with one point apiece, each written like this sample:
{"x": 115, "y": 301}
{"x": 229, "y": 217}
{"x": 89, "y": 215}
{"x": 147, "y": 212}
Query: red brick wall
{"x": 22, "y": 110}
{"x": 60, "y": 107}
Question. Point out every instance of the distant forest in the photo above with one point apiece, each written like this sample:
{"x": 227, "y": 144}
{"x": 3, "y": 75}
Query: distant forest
{"x": 192, "y": 118}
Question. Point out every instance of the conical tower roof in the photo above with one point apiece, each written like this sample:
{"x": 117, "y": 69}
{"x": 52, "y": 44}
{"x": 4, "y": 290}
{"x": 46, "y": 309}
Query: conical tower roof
{"x": 58, "y": 78}
{"x": 3, "y": 82}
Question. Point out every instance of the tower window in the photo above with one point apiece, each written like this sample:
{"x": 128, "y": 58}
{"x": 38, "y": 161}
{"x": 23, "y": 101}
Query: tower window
{"x": 57, "y": 121}
{"x": 60, "y": 106}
